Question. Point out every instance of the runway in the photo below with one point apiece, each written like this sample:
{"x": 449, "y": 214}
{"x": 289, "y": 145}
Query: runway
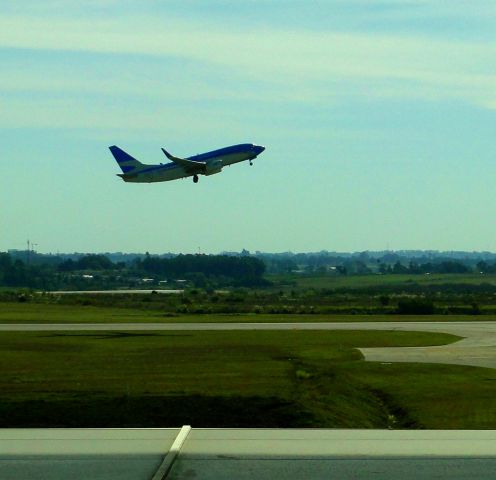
{"x": 114, "y": 292}
{"x": 247, "y": 454}
{"x": 478, "y": 347}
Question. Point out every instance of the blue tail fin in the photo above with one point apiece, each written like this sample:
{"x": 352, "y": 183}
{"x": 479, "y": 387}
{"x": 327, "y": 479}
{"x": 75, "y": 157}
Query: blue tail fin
{"x": 125, "y": 161}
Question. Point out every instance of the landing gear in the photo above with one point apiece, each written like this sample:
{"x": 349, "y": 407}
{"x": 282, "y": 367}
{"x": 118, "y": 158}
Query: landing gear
{"x": 251, "y": 163}
{"x": 195, "y": 178}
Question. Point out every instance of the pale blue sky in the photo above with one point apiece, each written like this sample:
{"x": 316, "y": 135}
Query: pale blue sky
{"x": 378, "y": 118}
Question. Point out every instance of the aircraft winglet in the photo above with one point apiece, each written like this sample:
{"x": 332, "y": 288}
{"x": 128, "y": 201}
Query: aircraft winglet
{"x": 168, "y": 155}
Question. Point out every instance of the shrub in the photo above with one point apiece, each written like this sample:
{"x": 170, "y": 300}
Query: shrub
{"x": 415, "y": 306}
{"x": 384, "y": 299}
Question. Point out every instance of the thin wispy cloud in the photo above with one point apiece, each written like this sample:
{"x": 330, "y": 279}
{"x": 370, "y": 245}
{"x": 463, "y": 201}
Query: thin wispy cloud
{"x": 299, "y": 61}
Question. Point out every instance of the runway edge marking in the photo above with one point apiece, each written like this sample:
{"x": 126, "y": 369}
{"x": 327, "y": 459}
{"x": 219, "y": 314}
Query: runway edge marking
{"x": 166, "y": 465}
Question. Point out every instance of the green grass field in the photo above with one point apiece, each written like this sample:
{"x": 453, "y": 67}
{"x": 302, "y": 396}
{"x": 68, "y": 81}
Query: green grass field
{"x": 436, "y": 396}
{"x": 53, "y": 313}
{"x": 174, "y": 362}
{"x": 272, "y": 379}
{"x": 361, "y": 281}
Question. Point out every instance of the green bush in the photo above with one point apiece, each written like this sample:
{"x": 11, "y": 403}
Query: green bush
{"x": 415, "y": 306}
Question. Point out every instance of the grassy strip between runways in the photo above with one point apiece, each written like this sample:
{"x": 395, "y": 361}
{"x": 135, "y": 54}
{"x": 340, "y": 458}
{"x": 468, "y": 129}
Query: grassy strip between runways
{"x": 251, "y": 378}
{"x": 364, "y": 281}
{"x": 50, "y": 313}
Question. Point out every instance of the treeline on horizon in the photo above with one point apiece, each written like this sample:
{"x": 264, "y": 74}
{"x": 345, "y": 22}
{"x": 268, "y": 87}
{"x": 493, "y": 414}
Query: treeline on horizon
{"x": 45, "y": 271}
{"x": 201, "y": 270}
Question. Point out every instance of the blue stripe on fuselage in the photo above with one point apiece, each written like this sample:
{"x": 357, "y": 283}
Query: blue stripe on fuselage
{"x": 167, "y": 166}
{"x": 202, "y": 157}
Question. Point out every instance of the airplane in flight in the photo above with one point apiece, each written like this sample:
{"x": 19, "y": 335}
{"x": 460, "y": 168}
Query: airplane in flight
{"x": 207, "y": 163}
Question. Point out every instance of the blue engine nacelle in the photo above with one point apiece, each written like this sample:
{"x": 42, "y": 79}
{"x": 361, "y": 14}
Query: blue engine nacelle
{"x": 214, "y": 167}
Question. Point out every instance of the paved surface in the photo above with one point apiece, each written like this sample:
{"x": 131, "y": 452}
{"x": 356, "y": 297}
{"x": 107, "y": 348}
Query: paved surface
{"x": 341, "y": 454}
{"x": 259, "y": 454}
{"x": 97, "y": 454}
{"x": 478, "y": 348}
{"x": 111, "y": 292}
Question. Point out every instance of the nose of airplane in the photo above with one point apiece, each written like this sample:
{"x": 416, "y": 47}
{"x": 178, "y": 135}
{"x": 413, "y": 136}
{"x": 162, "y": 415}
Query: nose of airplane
{"x": 258, "y": 149}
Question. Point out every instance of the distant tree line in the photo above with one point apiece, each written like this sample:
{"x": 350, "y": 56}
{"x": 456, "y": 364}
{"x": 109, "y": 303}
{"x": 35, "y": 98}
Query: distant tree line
{"x": 202, "y": 270}
{"x": 244, "y": 270}
{"x": 16, "y": 273}
{"x": 31, "y": 269}
{"x": 89, "y": 262}
{"x": 446, "y": 266}
{"x": 363, "y": 263}
{"x": 484, "y": 267}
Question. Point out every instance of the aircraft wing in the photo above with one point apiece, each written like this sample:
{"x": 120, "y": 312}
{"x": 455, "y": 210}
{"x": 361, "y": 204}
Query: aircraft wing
{"x": 188, "y": 165}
